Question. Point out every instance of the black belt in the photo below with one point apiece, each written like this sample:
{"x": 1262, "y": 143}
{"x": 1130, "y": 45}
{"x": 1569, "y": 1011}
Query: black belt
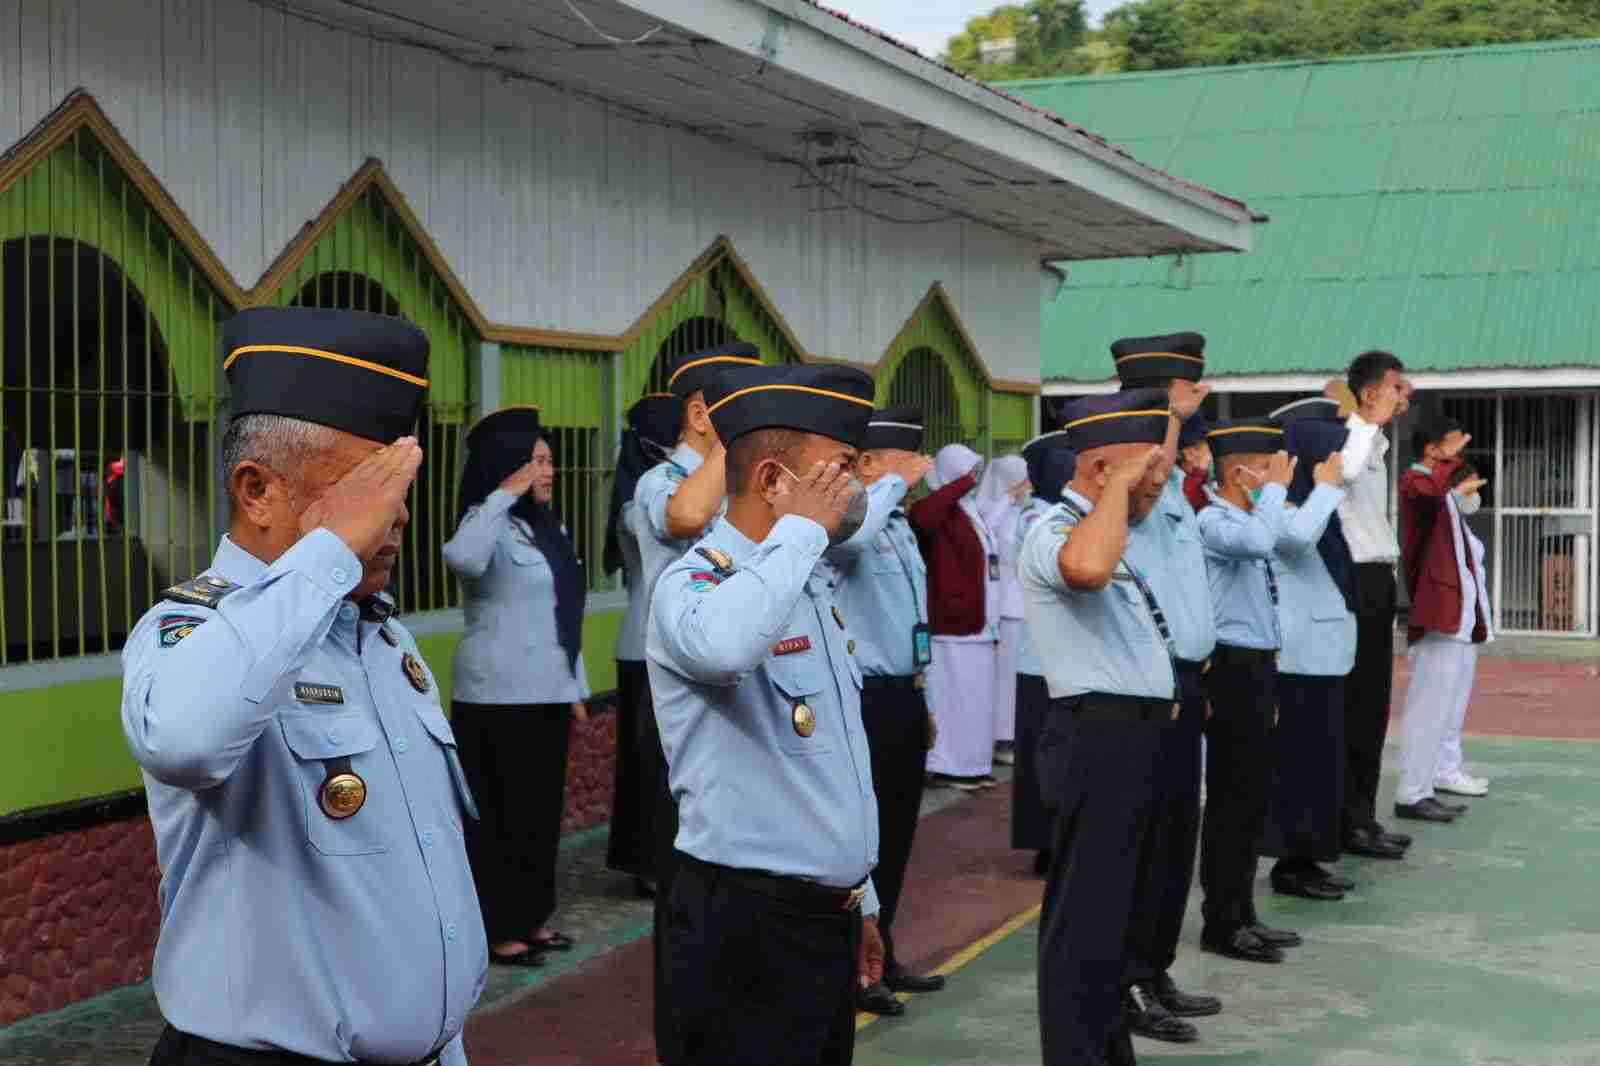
{"x": 1190, "y": 666}
{"x": 1230, "y": 653}
{"x": 1106, "y": 705}
{"x": 251, "y": 1057}
{"x": 796, "y": 891}
{"x": 910, "y": 681}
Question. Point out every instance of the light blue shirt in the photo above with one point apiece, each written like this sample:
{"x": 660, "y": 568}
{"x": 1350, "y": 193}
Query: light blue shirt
{"x": 510, "y": 652}
{"x": 1319, "y": 632}
{"x": 282, "y": 928}
{"x": 1240, "y": 546}
{"x": 881, "y": 583}
{"x": 658, "y": 548}
{"x": 1101, "y": 641}
{"x": 1166, "y": 548}
{"x": 731, "y": 656}
{"x": 1027, "y": 657}
{"x": 630, "y": 637}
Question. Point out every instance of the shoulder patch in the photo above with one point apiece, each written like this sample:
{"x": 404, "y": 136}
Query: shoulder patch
{"x": 174, "y": 627}
{"x": 719, "y": 559}
{"x": 703, "y": 580}
{"x": 200, "y": 591}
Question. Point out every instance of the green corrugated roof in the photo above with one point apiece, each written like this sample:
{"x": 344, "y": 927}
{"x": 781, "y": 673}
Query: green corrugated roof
{"x": 1445, "y": 205}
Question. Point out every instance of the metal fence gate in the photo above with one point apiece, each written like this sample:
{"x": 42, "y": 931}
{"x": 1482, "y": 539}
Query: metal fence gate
{"x": 1539, "y": 519}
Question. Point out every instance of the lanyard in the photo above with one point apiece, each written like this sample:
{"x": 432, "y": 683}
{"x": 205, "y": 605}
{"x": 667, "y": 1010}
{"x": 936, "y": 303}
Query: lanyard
{"x": 905, "y": 567}
{"x": 1156, "y": 614}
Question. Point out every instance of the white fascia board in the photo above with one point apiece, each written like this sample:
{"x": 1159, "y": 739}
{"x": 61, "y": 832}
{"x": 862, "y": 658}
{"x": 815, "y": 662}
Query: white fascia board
{"x": 1573, "y": 377}
{"x": 827, "y": 50}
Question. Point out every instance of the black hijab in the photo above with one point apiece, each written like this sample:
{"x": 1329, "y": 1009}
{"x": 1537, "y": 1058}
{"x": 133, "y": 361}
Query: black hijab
{"x": 497, "y": 447}
{"x": 653, "y": 426}
{"x": 1051, "y": 465}
{"x": 1313, "y": 440}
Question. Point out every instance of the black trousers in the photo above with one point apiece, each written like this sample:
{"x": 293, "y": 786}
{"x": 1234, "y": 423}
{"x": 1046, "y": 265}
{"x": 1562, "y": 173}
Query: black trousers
{"x": 895, "y": 717}
{"x": 1033, "y": 817}
{"x": 1101, "y": 754}
{"x": 1242, "y": 686}
{"x": 1307, "y": 793}
{"x": 1158, "y": 921}
{"x": 756, "y": 979}
{"x": 628, "y": 850}
{"x": 659, "y": 828}
{"x": 515, "y": 759}
{"x": 175, "y": 1048}
{"x": 1367, "y": 693}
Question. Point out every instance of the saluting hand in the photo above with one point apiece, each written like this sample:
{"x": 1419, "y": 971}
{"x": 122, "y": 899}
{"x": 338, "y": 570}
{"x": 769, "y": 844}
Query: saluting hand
{"x": 361, "y": 507}
{"x": 822, "y": 495}
{"x": 519, "y": 481}
{"x": 871, "y": 953}
{"x": 1280, "y": 468}
{"x": 1131, "y": 471}
{"x": 1186, "y": 397}
{"x": 1471, "y": 485}
{"x": 1330, "y": 471}
{"x": 1456, "y": 447}
{"x": 913, "y": 469}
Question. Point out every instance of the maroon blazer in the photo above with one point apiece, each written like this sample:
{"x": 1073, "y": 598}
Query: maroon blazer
{"x": 1428, "y": 555}
{"x": 958, "y": 567}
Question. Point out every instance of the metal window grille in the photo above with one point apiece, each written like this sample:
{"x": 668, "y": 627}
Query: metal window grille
{"x": 108, "y": 450}
{"x": 1539, "y": 520}
{"x": 923, "y": 381}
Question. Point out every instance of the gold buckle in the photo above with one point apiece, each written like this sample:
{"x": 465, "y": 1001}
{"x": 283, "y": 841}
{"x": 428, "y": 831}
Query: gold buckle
{"x": 852, "y": 902}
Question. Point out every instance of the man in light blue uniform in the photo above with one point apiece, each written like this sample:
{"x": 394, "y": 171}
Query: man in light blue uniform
{"x": 1104, "y": 646}
{"x": 1166, "y": 549}
{"x": 316, "y": 901}
{"x": 758, "y": 695}
{"x": 881, "y": 585}
{"x": 674, "y": 503}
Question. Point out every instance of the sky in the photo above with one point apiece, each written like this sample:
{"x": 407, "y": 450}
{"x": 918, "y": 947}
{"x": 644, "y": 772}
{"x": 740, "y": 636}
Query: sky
{"x": 929, "y": 23}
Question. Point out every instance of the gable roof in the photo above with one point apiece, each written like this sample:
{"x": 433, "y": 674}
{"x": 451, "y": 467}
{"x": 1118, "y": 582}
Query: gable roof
{"x": 1445, "y": 205}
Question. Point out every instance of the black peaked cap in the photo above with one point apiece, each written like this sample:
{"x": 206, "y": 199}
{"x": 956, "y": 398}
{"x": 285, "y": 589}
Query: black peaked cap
{"x": 691, "y": 373}
{"x": 833, "y": 401}
{"x": 1246, "y": 436}
{"x": 1175, "y": 355}
{"x": 355, "y": 371}
{"x": 1136, "y": 416}
{"x": 894, "y": 427}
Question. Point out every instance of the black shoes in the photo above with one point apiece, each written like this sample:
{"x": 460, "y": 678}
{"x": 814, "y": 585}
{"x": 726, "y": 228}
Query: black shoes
{"x": 1041, "y": 863}
{"x": 1147, "y": 1017}
{"x": 1373, "y": 844}
{"x": 1241, "y": 944}
{"x": 1453, "y": 808}
{"x": 1305, "y": 884}
{"x": 1399, "y": 839}
{"x": 878, "y": 999}
{"x": 1425, "y": 810}
{"x": 1182, "y": 1003}
{"x": 1278, "y": 938}
{"x": 1331, "y": 879}
{"x": 902, "y": 981}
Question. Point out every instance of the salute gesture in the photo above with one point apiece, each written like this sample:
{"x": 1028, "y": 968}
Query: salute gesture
{"x": 361, "y": 507}
{"x": 822, "y": 495}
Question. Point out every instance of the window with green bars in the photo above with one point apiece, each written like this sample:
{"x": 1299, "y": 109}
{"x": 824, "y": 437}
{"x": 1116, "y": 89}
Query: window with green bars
{"x": 107, "y": 404}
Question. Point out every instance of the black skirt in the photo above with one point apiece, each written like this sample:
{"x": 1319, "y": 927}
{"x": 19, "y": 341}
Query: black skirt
{"x": 627, "y": 851}
{"x": 515, "y": 759}
{"x": 1032, "y": 822}
{"x": 1307, "y": 791}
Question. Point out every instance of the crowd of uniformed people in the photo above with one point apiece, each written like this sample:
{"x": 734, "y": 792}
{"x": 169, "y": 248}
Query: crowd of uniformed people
{"x": 1138, "y": 603}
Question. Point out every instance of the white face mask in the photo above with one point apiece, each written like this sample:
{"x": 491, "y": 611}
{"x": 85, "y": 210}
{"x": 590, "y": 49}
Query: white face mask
{"x": 1468, "y": 505}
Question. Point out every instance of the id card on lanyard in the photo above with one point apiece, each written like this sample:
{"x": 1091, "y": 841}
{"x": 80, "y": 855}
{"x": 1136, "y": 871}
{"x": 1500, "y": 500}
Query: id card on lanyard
{"x": 1157, "y": 615}
{"x": 921, "y": 645}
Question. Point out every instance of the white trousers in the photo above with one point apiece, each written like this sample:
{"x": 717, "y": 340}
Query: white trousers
{"x": 1005, "y": 679}
{"x": 1442, "y": 672}
{"x": 961, "y": 696}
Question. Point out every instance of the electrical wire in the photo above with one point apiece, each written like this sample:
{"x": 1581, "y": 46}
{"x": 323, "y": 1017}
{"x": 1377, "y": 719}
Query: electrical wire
{"x": 603, "y": 35}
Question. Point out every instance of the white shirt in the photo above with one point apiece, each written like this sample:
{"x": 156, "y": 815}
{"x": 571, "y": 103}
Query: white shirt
{"x": 1364, "y": 514}
{"x": 1474, "y": 596}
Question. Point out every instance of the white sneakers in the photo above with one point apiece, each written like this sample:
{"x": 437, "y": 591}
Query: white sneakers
{"x": 1460, "y": 784}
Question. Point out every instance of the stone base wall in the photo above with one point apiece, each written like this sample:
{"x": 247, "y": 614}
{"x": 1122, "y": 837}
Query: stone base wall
{"x": 78, "y": 911}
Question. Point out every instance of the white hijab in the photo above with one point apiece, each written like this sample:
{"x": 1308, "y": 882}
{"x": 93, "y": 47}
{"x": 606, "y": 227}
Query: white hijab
{"x": 952, "y": 463}
{"x": 999, "y": 510}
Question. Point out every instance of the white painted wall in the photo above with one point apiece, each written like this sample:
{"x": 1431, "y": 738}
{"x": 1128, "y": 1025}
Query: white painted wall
{"x": 555, "y": 212}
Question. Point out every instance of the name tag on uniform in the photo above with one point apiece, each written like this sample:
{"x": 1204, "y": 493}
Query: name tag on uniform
{"x": 790, "y": 645}
{"x": 994, "y": 567}
{"x": 921, "y": 645}
{"x": 310, "y": 692}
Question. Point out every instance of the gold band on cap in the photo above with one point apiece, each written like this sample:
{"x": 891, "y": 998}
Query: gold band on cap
{"x": 1158, "y": 355}
{"x": 789, "y": 388}
{"x": 742, "y": 360}
{"x": 1153, "y": 412}
{"x": 1244, "y": 429}
{"x": 318, "y": 353}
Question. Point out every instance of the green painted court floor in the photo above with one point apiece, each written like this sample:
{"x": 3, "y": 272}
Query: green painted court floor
{"x": 1482, "y": 948}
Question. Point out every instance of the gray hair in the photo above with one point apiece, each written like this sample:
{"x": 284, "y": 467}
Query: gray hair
{"x": 279, "y": 443}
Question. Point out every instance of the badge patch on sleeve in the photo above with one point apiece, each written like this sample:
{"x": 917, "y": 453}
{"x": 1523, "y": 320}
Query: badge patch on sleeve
{"x": 174, "y": 627}
{"x": 703, "y": 580}
{"x": 790, "y": 645}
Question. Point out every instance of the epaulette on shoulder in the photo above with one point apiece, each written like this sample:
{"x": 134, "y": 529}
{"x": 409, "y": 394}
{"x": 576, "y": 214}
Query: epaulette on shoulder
{"x": 201, "y": 591}
{"x": 720, "y": 561}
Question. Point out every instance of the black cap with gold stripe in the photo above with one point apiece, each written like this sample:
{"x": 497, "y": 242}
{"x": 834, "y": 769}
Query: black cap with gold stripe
{"x": 894, "y": 427}
{"x": 355, "y": 371}
{"x": 1246, "y": 436}
{"x": 832, "y": 401}
{"x": 693, "y": 372}
{"x": 1144, "y": 360}
{"x": 1136, "y": 416}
